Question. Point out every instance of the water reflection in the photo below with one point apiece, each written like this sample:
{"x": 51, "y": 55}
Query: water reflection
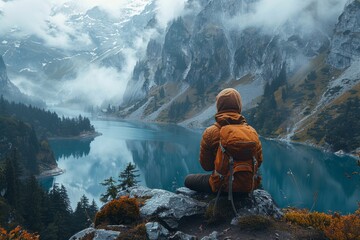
{"x": 302, "y": 176}
{"x": 65, "y": 148}
{"x": 295, "y": 175}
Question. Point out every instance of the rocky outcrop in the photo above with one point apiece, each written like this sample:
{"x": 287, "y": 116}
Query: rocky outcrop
{"x": 345, "y": 44}
{"x": 167, "y": 206}
{"x": 7, "y": 88}
{"x": 165, "y": 213}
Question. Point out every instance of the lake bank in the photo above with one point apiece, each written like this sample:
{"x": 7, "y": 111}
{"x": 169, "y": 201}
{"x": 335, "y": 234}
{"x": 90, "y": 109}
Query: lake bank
{"x": 81, "y": 136}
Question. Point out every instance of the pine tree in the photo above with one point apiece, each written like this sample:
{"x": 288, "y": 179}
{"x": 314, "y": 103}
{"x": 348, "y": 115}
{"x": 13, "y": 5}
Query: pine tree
{"x": 81, "y": 216}
{"x": 93, "y": 210}
{"x": 127, "y": 178}
{"x": 61, "y": 211}
{"x": 12, "y": 175}
{"x": 32, "y": 200}
{"x": 111, "y": 190}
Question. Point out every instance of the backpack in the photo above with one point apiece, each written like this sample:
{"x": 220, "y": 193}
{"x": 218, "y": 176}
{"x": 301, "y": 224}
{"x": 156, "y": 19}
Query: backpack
{"x": 235, "y": 161}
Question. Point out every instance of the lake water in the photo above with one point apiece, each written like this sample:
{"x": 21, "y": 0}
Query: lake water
{"x": 295, "y": 175}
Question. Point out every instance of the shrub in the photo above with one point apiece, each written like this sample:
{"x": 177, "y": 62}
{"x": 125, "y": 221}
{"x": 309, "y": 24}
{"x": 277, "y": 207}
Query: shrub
{"x": 334, "y": 226}
{"x": 309, "y": 219}
{"x": 119, "y": 211}
{"x": 344, "y": 227}
{"x": 17, "y": 234}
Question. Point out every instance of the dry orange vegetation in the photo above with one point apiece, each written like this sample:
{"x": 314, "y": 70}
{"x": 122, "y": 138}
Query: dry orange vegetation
{"x": 119, "y": 211}
{"x": 335, "y": 226}
{"x": 17, "y": 234}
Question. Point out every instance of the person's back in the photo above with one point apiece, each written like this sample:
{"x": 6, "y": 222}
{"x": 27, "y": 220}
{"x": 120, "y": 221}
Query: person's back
{"x": 238, "y": 161}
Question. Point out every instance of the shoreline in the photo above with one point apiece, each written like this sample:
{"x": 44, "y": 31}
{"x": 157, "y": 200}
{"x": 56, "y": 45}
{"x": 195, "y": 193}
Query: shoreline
{"x": 50, "y": 173}
{"x": 354, "y": 155}
{"x": 82, "y": 136}
{"x": 339, "y": 153}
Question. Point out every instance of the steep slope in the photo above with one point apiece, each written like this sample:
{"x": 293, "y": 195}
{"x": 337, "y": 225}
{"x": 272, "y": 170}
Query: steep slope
{"x": 7, "y": 88}
{"x": 287, "y": 75}
{"x": 206, "y": 50}
{"x": 20, "y": 139}
{"x": 333, "y": 118}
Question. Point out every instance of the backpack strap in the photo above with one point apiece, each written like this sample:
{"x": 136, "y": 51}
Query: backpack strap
{"x": 231, "y": 176}
{"x": 231, "y": 179}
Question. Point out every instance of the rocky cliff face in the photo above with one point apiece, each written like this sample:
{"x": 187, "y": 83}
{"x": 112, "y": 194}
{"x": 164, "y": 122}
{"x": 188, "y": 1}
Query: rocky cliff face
{"x": 207, "y": 48}
{"x": 345, "y": 44}
{"x": 12, "y": 93}
{"x": 7, "y": 88}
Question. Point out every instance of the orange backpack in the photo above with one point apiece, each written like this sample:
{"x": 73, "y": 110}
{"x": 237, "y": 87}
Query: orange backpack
{"x": 235, "y": 161}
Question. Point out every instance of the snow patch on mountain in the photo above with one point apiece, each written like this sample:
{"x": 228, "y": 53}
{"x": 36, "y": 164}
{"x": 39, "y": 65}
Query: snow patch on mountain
{"x": 139, "y": 113}
{"x": 339, "y": 86}
{"x": 155, "y": 114}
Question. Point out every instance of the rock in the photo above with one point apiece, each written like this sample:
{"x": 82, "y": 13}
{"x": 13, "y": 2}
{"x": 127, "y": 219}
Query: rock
{"x": 265, "y": 205}
{"x": 154, "y": 231}
{"x": 186, "y": 191}
{"x": 102, "y": 234}
{"x": 345, "y": 44}
{"x": 167, "y": 206}
{"x": 182, "y": 236}
{"x": 262, "y": 204}
{"x": 213, "y": 236}
{"x": 99, "y": 234}
{"x": 340, "y": 153}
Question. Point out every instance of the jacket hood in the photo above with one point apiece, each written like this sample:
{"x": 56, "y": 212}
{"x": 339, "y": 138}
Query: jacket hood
{"x": 227, "y": 118}
{"x": 228, "y": 100}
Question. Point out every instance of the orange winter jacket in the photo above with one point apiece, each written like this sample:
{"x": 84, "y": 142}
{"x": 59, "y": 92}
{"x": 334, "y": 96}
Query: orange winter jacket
{"x": 229, "y": 108}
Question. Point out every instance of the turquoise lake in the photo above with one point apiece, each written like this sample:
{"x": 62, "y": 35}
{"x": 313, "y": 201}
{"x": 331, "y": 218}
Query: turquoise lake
{"x": 295, "y": 175}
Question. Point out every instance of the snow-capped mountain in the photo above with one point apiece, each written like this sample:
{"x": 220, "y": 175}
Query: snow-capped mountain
{"x": 95, "y": 37}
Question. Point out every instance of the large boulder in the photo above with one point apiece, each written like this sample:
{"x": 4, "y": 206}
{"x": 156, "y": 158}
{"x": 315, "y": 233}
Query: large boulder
{"x": 167, "y": 206}
{"x": 97, "y": 234}
{"x": 155, "y": 231}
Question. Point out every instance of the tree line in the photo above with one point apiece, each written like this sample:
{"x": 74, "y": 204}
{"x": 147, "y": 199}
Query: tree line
{"x": 26, "y": 203}
{"x": 46, "y": 123}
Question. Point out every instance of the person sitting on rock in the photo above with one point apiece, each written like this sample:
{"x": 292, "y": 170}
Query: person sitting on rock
{"x": 238, "y": 153}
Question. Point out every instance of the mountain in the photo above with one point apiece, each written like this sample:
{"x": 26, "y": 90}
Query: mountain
{"x": 295, "y": 69}
{"x": 7, "y": 88}
{"x": 43, "y": 68}
{"x": 289, "y": 75}
{"x": 11, "y": 92}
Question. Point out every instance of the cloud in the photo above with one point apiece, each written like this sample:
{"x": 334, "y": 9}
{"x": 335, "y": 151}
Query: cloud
{"x": 96, "y": 85}
{"x": 168, "y": 10}
{"x": 305, "y": 15}
{"x": 22, "y": 18}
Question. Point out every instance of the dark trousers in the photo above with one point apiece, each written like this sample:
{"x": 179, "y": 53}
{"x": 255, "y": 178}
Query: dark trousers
{"x": 198, "y": 182}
